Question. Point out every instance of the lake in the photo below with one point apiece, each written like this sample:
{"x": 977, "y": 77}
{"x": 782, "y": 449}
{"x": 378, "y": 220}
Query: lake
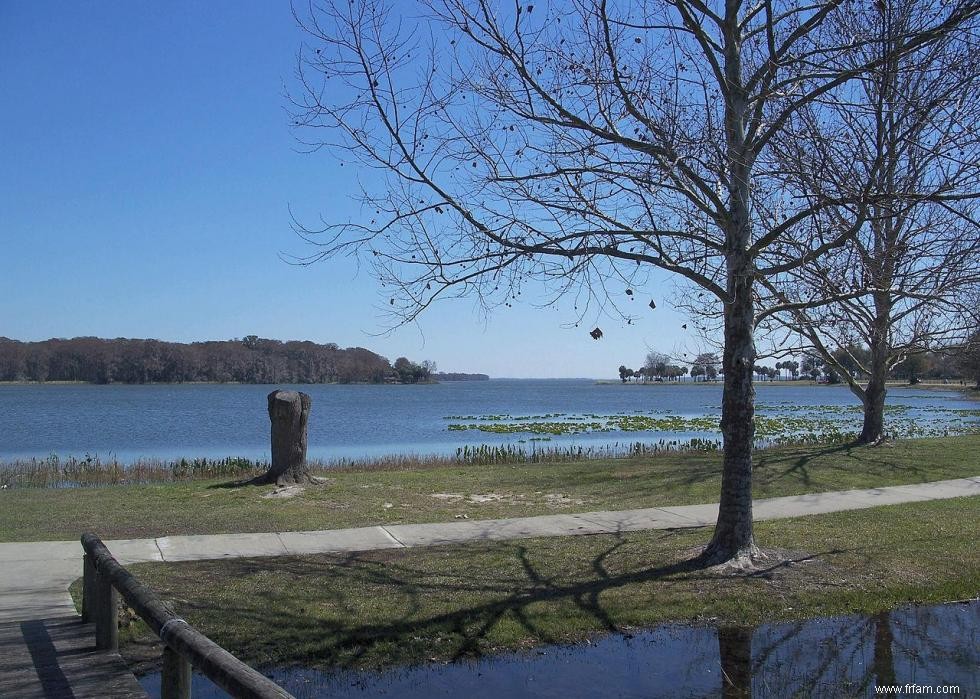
{"x": 363, "y": 421}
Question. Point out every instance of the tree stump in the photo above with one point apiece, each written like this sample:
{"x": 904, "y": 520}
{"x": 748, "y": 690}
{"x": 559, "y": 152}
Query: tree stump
{"x": 288, "y": 412}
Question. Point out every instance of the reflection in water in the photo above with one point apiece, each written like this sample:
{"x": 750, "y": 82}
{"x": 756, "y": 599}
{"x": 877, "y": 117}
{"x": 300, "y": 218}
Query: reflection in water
{"x": 735, "y": 655}
{"x": 884, "y": 662}
{"x": 831, "y": 657}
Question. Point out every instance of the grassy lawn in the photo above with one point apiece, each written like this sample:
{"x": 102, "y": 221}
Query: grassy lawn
{"x": 366, "y": 496}
{"x": 413, "y": 605}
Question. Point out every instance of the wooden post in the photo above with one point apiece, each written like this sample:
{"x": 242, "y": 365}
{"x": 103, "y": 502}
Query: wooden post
{"x": 106, "y": 615}
{"x": 88, "y": 589}
{"x": 175, "y": 680}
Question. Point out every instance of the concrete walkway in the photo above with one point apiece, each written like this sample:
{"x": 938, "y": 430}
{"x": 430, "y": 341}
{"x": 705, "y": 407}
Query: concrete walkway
{"x": 34, "y": 577}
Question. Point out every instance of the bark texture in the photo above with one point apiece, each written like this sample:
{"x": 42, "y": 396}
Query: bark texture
{"x": 289, "y": 412}
{"x": 873, "y": 430}
{"x": 733, "y": 539}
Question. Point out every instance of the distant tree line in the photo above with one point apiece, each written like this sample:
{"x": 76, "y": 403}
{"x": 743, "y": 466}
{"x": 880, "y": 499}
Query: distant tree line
{"x": 459, "y": 376}
{"x": 249, "y": 360}
{"x": 660, "y": 367}
{"x": 408, "y": 371}
{"x": 954, "y": 364}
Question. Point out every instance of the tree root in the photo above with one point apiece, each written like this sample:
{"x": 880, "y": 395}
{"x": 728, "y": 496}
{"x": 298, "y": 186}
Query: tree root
{"x": 749, "y": 560}
{"x": 878, "y": 441}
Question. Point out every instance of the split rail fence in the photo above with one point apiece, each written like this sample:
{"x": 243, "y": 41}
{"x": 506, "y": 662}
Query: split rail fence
{"x": 185, "y": 648}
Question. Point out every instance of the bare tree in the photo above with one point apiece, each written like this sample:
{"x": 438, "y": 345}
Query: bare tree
{"x": 656, "y": 363}
{"x": 968, "y": 356}
{"x": 582, "y": 144}
{"x": 706, "y": 365}
{"x": 909, "y": 137}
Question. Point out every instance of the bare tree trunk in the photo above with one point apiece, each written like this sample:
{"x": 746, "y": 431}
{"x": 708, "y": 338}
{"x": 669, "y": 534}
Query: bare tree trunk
{"x": 733, "y": 532}
{"x": 289, "y": 412}
{"x": 873, "y": 430}
{"x": 733, "y": 540}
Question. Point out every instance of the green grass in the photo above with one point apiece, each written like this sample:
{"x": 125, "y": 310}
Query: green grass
{"x": 360, "y": 497}
{"x": 413, "y": 605}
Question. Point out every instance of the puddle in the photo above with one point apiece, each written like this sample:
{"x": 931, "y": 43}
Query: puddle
{"x": 925, "y": 646}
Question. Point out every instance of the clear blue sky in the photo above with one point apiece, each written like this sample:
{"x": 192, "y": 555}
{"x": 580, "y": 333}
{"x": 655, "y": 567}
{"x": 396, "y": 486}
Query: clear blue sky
{"x": 146, "y": 176}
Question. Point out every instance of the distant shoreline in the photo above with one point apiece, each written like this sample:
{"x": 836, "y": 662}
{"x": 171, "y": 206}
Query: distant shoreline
{"x": 233, "y": 383}
{"x": 249, "y": 360}
{"x": 967, "y": 388}
{"x": 203, "y": 383}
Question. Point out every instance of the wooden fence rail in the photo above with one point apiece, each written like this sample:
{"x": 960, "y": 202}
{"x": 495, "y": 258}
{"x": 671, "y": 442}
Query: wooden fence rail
{"x": 105, "y": 580}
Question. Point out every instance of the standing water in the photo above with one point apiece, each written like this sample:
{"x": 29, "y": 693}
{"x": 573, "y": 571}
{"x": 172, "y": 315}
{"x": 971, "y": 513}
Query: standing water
{"x": 848, "y": 656}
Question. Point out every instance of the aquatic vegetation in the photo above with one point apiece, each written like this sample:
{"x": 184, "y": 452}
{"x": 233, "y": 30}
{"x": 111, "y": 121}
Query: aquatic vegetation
{"x": 71, "y": 472}
{"x": 556, "y": 428}
{"x": 493, "y": 418}
{"x": 773, "y": 423}
{"x": 513, "y": 454}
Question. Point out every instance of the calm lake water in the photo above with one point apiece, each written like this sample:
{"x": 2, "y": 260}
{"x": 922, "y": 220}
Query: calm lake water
{"x": 845, "y": 656}
{"x": 174, "y": 421}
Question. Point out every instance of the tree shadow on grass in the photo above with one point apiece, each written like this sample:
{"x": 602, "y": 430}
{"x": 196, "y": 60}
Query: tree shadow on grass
{"x": 443, "y": 610}
{"x": 238, "y": 483}
{"x": 770, "y": 465}
{"x": 797, "y": 463}
{"x": 869, "y": 460}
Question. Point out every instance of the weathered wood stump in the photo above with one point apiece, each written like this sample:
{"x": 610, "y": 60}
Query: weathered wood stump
{"x": 289, "y": 412}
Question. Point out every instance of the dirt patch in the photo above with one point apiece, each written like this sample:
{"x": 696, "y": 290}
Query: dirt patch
{"x": 287, "y": 491}
{"x": 560, "y": 500}
{"x": 556, "y": 500}
{"x": 481, "y": 498}
{"x": 333, "y": 505}
{"x": 478, "y": 498}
